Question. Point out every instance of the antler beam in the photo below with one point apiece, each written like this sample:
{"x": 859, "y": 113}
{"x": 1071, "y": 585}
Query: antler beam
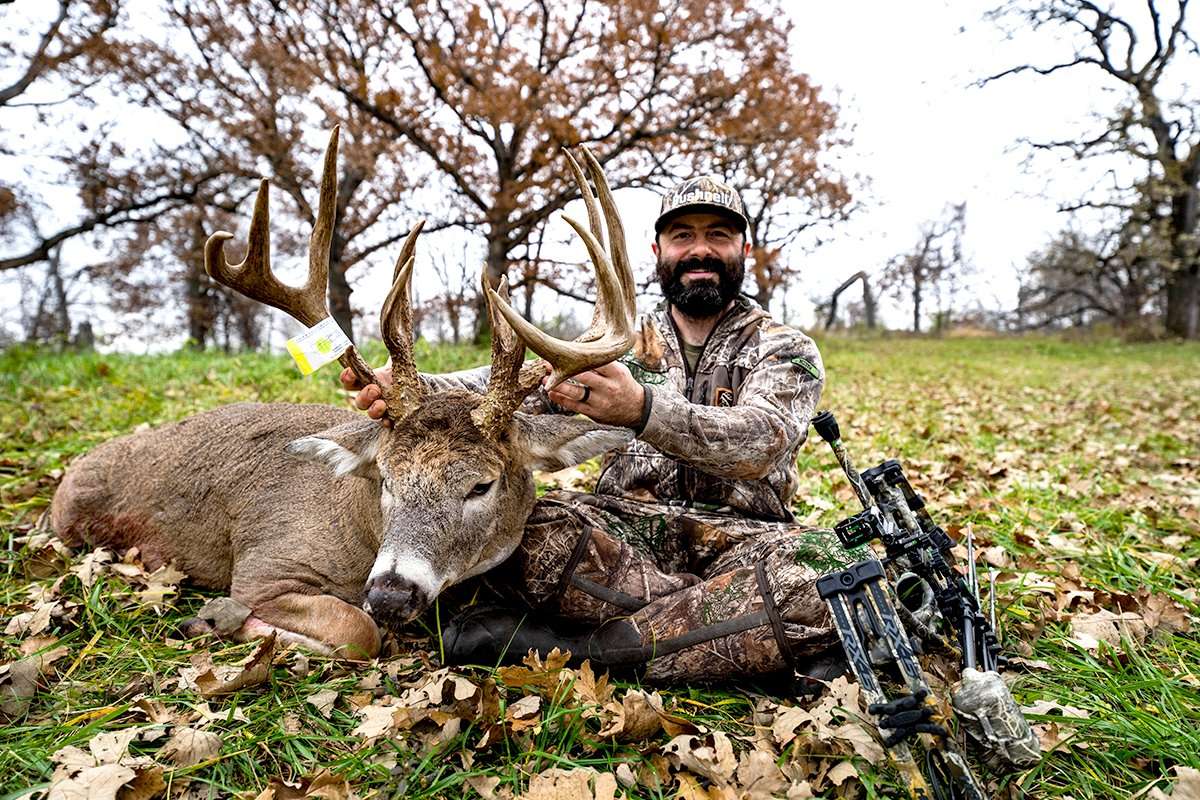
{"x": 308, "y": 304}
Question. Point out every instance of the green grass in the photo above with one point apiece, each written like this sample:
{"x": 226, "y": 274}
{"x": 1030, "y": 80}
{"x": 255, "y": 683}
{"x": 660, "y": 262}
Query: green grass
{"x": 1071, "y": 458}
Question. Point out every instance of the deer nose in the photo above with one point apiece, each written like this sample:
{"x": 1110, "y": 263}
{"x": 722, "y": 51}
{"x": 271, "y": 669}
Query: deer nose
{"x": 393, "y": 599}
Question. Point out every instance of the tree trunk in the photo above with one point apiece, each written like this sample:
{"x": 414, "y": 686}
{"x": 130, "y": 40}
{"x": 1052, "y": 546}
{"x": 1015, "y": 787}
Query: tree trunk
{"x": 497, "y": 268}
{"x": 1183, "y": 302}
{"x": 868, "y": 301}
{"x": 199, "y": 306}
{"x": 916, "y": 296}
{"x": 1183, "y": 283}
{"x": 62, "y": 316}
{"x": 339, "y": 288}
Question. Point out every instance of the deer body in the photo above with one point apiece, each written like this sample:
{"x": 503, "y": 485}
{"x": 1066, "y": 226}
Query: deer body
{"x": 216, "y": 490}
{"x": 326, "y": 524}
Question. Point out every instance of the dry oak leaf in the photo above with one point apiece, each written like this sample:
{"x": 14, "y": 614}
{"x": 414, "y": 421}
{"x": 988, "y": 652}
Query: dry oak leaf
{"x": 19, "y": 680}
{"x": 544, "y": 677}
{"x": 323, "y": 701}
{"x": 31, "y": 623}
{"x": 92, "y": 783}
{"x": 106, "y": 772}
{"x": 709, "y": 755}
{"x": 636, "y": 718}
{"x": 1089, "y": 630}
{"x": 759, "y": 777}
{"x": 524, "y": 713}
{"x": 377, "y": 720}
{"x": 484, "y": 785}
{"x": 1186, "y": 786}
{"x": 582, "y": 783}
{"x": 112, "y": 746}
{"x": 324, "y": 785}
{"x": 215, "y": 681}
{"x": 188, "y": 746}
{"x": 224, "y": 614}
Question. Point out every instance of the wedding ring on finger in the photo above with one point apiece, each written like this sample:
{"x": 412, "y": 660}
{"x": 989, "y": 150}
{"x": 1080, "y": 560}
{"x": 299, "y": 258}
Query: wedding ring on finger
{"x": 587, "y": 390}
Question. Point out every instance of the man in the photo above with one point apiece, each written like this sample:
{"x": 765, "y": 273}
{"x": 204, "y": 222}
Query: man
{"x": 686, "y": 562}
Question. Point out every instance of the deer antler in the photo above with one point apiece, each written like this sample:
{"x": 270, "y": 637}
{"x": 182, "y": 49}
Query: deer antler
{"x": 609, "y": 336}
{"x": 307, "y": 304}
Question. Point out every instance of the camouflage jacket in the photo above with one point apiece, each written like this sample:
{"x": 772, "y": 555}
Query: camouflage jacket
{"x": 724, "y": 438}
{"x": 727, "y": 436}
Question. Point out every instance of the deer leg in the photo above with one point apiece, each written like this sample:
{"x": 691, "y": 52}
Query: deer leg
{"x": 320, "y": 622}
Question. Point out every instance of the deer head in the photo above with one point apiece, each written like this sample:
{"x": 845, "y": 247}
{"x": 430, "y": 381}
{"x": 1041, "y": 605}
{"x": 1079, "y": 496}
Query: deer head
{"x": 452, "y": 476}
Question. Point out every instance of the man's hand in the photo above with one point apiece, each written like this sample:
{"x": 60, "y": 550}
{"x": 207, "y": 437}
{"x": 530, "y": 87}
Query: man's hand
{"x": 369, "y": 398}
{"x": 607, "y": 394}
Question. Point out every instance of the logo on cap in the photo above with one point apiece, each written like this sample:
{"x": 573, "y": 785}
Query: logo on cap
{"x": 707, "y": 191}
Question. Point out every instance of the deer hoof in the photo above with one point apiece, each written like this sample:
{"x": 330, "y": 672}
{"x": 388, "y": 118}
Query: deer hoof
{"x": 194, "y": 628}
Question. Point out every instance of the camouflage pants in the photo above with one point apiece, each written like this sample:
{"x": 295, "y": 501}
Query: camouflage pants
{"x": 710, "y": 596}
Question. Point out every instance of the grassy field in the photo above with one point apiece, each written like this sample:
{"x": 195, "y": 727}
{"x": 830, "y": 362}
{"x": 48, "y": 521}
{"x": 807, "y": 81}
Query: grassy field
{"x": 1075, "y": 465}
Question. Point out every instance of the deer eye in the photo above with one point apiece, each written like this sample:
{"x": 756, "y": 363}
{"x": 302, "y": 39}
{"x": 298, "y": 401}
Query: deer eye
{"x": 480, "y": 489}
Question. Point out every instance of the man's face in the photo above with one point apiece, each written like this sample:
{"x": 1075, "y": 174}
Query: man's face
{"x": 701, "y": 263}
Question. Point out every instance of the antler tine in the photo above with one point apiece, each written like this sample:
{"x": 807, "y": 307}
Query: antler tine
{"x": 253, "y": 276}
{"x": 395, "y": 325}
{"x": 616, "y": 231}
{"x": 596, "y": 328}
{"x": 511, "y": 379}
{"x": 615, "y": 299}
{"x": 589, "y": 199}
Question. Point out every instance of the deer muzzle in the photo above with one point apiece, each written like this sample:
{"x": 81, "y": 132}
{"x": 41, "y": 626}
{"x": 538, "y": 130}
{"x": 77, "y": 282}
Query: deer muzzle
{"x": 392, "y": 599}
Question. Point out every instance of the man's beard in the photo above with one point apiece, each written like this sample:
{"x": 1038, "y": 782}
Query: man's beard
{"x": 702, "y": 298}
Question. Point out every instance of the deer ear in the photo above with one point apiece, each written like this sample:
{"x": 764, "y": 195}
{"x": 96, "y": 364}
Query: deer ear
{"x": 554, "y": 441}
{"x": 347, "y": 449}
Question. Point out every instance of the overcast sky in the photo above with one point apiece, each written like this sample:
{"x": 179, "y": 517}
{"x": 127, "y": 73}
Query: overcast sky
{"x": 922, "y": 135}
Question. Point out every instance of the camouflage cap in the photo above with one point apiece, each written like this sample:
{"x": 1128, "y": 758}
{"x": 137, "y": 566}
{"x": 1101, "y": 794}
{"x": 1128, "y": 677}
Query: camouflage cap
{"x": 705, "y": 193}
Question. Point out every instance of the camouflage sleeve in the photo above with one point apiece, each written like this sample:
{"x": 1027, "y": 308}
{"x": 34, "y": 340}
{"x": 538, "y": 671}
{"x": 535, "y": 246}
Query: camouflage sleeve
{"x": 766, "y": 425}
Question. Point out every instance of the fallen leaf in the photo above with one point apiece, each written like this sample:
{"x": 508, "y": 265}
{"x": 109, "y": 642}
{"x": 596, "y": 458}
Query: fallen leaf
{"x": 484, "y": 785}
{"x": 146, "y": 784}
{"x": 323, "y": 701}
{"x": 572, "y": 784}
{"x": 709, "y": 755}
{"x": 542, "y": 677}
{"x": 841, "y": 773}
{"x": 93, "y": 783}
{"x": 524, "y": 713}
{"x": 110, "y": 747}
{"x": 19, "y": 680}
{"x": 636, "y": 718}
{"x": 323, "y": 784}
{"x": 230, "y": 680}
{"x": 1089, "y": 630}
{"x": 1186, "y": 786}
{"x": 376, "y": 721}
{"x": 758, "y": 777}
{"x": 188, "y": 746}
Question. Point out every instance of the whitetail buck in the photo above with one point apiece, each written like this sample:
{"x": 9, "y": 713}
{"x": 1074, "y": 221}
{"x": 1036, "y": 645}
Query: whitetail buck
{"x": 321, "y": 521}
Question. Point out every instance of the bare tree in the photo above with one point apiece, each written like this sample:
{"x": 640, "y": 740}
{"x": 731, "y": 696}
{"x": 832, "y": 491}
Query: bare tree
{"x": 1156, "y": 119}
{"x": 1115, "y": 274}
{"x": 868, "y": 300}
{"x": 930, "y": 272}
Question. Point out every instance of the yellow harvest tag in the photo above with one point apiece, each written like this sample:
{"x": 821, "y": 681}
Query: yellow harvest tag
{"x": 318, "y": 345}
